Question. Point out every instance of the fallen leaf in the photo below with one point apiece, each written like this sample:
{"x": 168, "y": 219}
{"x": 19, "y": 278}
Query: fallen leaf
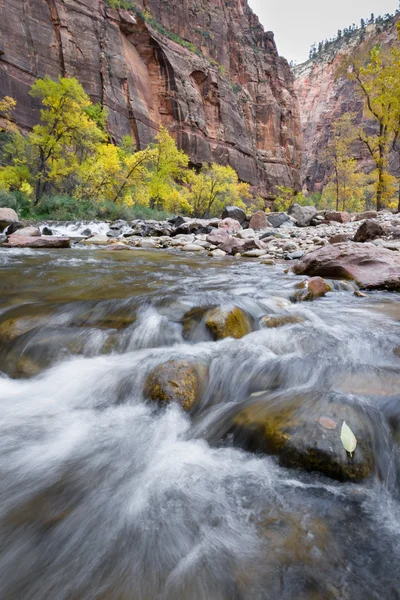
{"x": 348, "y": 438}
{"x": 327, "y": 423}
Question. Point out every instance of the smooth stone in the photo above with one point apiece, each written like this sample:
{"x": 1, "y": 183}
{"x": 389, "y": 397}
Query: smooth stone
{"x": 192, "y": 248}
{"x": 234, "y": 212}
{"x": 217, "y": 253}
{"x": 176, "y": 381}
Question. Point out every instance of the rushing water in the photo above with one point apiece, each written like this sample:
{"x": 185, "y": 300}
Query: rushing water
{"x": 107, "y": 496}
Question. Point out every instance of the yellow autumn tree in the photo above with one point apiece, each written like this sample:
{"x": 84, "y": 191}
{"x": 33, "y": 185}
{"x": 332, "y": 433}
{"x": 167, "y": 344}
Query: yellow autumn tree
{"x": 212, "y": 188}
{"x": 377, "y": 81}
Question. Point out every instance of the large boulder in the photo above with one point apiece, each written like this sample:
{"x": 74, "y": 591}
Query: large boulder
{"x": 368, "y": 231}
{"x": 259, "y": 221}
{"x": 303, "y": 215}
{"x": 339, "y": 217}
{"x": 217, "y": 236}
{"x": 176, "y": 381}
{"x": 234, "y": 212}
{"x": 232, "y": 245}
{"x": 371, "y": 267}
{"x": 7, "y": 217}
{"x": 370, "y": 214}
{"x": 26, "y": 241}
{"x": 29, "y": 231}
{"x": 304, "y": 431}
{"x": 277, "y": 219}
{"x": 230, "y": 225}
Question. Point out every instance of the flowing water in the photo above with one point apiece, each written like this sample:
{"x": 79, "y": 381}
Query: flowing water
{"x": 106, "y": 495}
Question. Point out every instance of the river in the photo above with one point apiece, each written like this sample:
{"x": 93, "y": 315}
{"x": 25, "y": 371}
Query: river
{"x": 106, "y": 495}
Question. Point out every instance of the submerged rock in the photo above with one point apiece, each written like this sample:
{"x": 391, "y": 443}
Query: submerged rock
{"x": 176, "y": 381}
{"x": 305, "y": 432}
{"x": 369, "y": 266}
{"x": 272, "y": 322}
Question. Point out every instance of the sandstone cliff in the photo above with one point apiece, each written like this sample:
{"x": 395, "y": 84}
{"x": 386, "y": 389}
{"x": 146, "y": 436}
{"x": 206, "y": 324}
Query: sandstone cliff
{"x": 205, "y": 69}
{"x": 323, "y": 98}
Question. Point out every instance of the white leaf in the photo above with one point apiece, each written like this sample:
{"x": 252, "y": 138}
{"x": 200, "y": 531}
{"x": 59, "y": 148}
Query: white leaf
{"x": 348, "y": 438}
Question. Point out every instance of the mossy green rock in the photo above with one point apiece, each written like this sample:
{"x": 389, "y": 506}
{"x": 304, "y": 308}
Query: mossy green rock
{"x": 176, "y": 381}
{"x": 305, "y": 432}
{"x": 223, "y": 322}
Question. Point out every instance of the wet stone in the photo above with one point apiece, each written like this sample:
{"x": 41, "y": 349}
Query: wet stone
{"x": 295, "y": 430}
{"x": 176, "y": 381}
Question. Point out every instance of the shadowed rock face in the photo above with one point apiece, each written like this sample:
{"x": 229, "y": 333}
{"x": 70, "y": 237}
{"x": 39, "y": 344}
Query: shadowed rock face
{"x": 232, "y": 102}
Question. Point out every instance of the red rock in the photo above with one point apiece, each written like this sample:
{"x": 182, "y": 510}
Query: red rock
{"x": 317, "y": 286}
{"x": 217, "y": 237}
{"x": 339, "y": 217}
{"x": 339, "y": 237}
{"x": 45, "y": 241}
{"x": 369, "y": 266}
{"x": 259, "y": 221}
{"x": 369, "y": 214}
{"x": 232, "y": 245}
{"x": 368, "y": 231}
{"x": 145, "y": 78}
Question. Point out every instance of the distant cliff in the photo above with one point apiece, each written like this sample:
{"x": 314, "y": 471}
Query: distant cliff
{"x": 323, "y": 99}
{"x": 204, "y": 68}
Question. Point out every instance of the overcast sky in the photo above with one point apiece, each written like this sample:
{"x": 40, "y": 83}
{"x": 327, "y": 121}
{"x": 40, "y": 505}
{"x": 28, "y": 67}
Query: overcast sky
{"x": 297, "y": 24}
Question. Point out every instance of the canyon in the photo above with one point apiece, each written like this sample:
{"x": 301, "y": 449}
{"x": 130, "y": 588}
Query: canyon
{"x": 206, "y": 70}
{"x": 324, "y": 97}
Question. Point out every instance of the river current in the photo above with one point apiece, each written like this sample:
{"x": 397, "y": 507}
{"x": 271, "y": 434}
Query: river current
{"x": 106, "y": 495}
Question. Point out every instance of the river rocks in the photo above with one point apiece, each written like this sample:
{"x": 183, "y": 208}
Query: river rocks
{"x": 272, "y": 322}
{"x": 192, "y": 248}
{"x": 277, "y": 219}
{"x": 305, "y": 432}
{"x": 14, "y": 326}
{"x": 26, "y": 241}
{"x": 316, "y": 287}
{"x": 176, "y": 381}
{"x": 370, "y": 214}
{"x": 223, "y": 322}
{"x": 217, "y": 253}
{"x": 29, "y": 231}
{"x": 340, "y": 217}
{"x": 47, "y": 231}
{"x": 230, "y": 225}
{"x": 218, "y": 236}
{"x": 97, "y": 240}
{"x": 338, "y": 238}
{"x": 232, "y": 245}
{"x": 256, "y": 253}
{"x": 117, "y": 247}
{"x": 7, "y": 217}
{"x": 303, "y": 215}
{"x": 369, "y": 266}
{"x": 259, "y": 221}
{"x": 368, "y": 231}
{"x": 234, "y": 212}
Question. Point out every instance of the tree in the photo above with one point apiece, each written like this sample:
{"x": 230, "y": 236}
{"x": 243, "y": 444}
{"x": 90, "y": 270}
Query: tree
{"x": 378, "y": 83}
{"x": 67, "y": 134}
{"x": 7, "y": 105}
{"x": 345, "y": 184}
{"x": 166, "y": 170}
{"x": 212, "y": 188}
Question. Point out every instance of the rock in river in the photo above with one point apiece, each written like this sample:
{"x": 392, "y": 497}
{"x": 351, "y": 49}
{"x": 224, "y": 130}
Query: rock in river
{"x": 7, "y": 217}
{"x": 369, "y": 266}
{"x": 176, "y": 381}
{"x": 304, "y": 431}
{"x": 223, "y": 322}
{"x": 368, "y": 231}
{"x": 27, "y": 241}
